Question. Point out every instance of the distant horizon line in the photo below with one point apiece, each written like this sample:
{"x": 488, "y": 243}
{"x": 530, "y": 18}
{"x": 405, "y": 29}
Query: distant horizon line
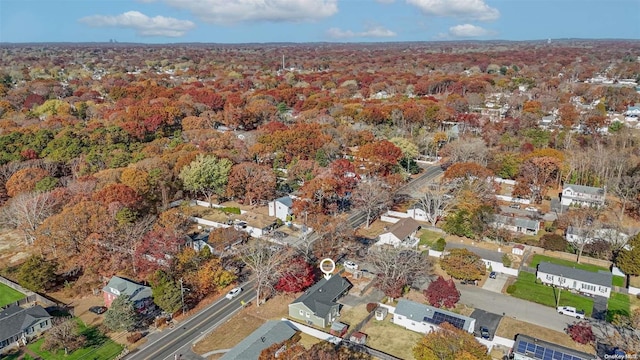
{"x": 115, "y": 42}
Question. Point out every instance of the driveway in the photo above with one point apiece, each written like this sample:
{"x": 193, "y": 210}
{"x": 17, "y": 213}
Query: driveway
{"x": 497, "y": 284}
{"x": 599, "y": 308}
{"x": 518, "y": 309}
{"x": 486, "y": 319}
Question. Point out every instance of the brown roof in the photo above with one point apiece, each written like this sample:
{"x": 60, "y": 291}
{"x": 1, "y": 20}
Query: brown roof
{"x": 404, "y": 228}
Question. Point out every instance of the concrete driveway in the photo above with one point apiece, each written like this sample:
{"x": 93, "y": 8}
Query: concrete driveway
{"x": 497, "y": 284}
{"x": 518, "y": 309}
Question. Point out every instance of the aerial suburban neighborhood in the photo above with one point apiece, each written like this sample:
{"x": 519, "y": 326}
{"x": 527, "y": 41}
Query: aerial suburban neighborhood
{"x": 326, "y": 200}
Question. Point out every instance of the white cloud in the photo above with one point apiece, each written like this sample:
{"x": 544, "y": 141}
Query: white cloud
{"x": 144, "y": 25}
{"x": 466, "y": 9}
{"x": 468, "y": 30}
{"x": 232, "y": 11}
{"x": 373, "y": 31}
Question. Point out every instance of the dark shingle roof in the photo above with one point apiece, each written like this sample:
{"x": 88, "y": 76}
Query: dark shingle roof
{"x": 404, "y": 228}
{"x": 14, "y": 319}
{"x": 136, "y": 292}
{"x": 603, "y": 278}
{"x": 271, "y": 332}
{"x": 582, "y": 189}
{"x": 323, "y": 295}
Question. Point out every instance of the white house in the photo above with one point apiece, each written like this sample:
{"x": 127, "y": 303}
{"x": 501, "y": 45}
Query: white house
{"x": 529, "y": 348}
{"x": 587, "y": 282}
{"x": 518, "y": 249}
{"x": 612, "y": 236}
{"x": 417, "y": 212}
{"x": 580, "y": 195}
{"x": 281, "y": 207}
{"x": 424, "y": 318}
{"x": 402, "y": 233}
{"x": 516, "y": 224}
{"x": 492, "y": 259}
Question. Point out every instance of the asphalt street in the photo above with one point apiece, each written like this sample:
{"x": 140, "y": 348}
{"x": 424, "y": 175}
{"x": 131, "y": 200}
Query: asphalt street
{"x": 168, "y": 343}
{"x": 518, "y": 309}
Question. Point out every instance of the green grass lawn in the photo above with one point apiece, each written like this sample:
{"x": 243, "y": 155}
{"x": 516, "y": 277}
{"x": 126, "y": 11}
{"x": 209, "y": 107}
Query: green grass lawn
{"x": 98, "y": 347}
{"x": 428, "y": 237}
{"x": 618, "y": 304}
{"x": 8, "y": 295}
{"x": 527, "y": 289}
{"x": 618, "y": 281}
{"x": 537, "y": 258}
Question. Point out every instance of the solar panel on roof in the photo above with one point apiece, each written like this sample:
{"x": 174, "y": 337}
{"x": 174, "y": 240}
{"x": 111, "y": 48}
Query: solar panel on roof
{"x": 557, "y": 355}
{"x": 439, "y": 318}
{"x": 543, "y": 353}
{"x": 522, "y": 346}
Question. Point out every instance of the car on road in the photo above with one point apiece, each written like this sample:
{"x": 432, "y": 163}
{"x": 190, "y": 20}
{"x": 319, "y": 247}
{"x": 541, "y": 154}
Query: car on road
{"x": 531, "y": 208}
{"x": 350, "y": 265}
{"x": 469, "y": 282}
{"x": 492, "y": 275}
{"x": 484, "y": 332}
{"x": 570, "y": 311}
{"x": 98, "y": 309}
{"x": 233, "y": 293}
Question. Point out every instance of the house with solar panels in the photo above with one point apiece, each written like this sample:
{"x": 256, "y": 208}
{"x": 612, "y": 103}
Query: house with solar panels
{"x": 424, "y": 318}
{"x": 528, "y": 348}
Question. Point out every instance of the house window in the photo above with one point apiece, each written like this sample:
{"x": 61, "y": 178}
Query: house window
{"x": 413, "y": 324}
{"x": 562, "y": 280}
{"x": 308, "y": 315}
{"x": 602, "y": 289}
{"x": 549, "y": 277}
{"x": 301, "y": 312}
{"x": 588, "y": 287}
{"x": 43, "y": 324}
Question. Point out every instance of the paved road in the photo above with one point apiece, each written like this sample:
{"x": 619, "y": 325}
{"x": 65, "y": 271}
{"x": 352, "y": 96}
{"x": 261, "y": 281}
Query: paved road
{"x": 516, "y": 308}
{"x": 165, "y": 345}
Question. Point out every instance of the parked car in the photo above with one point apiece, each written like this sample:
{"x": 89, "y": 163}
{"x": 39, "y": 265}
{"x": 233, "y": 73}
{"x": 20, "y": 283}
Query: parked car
{"x": 514, "y": 206}
{"x": 98, "y": 309}
{"x": 492, "y": 275}
{"x": 531, "y": 208}
{"x": 570, "y": 311}
{"x": 350, "y": 265}
{"x": 233, "y": 293}
{"x": 484, "y": 332}
{"x": 468, "y": 282}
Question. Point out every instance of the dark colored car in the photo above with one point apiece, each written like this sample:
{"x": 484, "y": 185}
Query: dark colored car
{"x": 492, "y": 275}
{"x": 98, "y": 309}
{"x": 484, "y": 332}
{"x": 468, "y": 282}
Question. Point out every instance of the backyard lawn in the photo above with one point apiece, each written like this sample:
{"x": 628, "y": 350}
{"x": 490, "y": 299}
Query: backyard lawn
{"x": 391, "y": 338}
{"x": 8, "y": 295}
{"x": 526, "y": 288}
{"x": 618, "y": 304}
{"x": 428, "y": 237}
{"x": 537, "y": 258}
{"x": 98, "y": 347}
{"x": 618, "y": 281}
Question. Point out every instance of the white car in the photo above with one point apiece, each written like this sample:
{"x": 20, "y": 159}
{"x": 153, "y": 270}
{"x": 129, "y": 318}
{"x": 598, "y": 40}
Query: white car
{"x": 350, "y": 265}
{"x": 233, "y": 293}
{"x": 570, "y": 311}
{"x": 531, "y": 208}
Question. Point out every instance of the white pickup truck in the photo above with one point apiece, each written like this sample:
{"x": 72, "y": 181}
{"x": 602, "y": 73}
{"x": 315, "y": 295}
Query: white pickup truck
{"x": 571, "y": 311}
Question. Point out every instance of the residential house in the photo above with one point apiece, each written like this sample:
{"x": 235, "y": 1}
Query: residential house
{"x": 281, "y": 208}
{"x": 547, "y": 122}
{"x": 580, "y": 195}
{"x": 417, "y": 212}
{"x": 271, "y": 332}
{"x": 18, "y": 325}
{"x": 139, "y": 294}
{"x": 516, "y": 224}
{"x": 492, "y": 259}
{"x": 584, "y": 236}
{"x": 518, "y": 249}
{"x": 529, "y": 348}
{"x": 583, "y": 281}
{"x": 424, "y": 318}
{"x": 318, "y": 305}
{"x": 402, "y": 233}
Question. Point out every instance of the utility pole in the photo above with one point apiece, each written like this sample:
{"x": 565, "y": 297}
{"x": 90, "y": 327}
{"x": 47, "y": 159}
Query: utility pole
{"x": 182, "y": 296}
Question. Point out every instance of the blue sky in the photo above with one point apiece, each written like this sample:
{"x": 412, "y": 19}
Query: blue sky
{"x": 244, "y": 21}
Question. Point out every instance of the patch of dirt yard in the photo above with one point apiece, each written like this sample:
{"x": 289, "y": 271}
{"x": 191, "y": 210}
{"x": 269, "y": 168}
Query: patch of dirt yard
{"x": 354, "y": 315}
{"x": 81, "y": 306}
{"x": 390, "y": 338}
{"x": 508, "y": 328}
{"x": 375, "y": 229}
{"x": 243, "y": 323}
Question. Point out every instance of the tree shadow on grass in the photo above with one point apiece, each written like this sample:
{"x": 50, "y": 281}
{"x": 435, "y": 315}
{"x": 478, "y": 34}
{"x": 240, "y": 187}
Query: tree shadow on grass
{"x": 94, "y": 336}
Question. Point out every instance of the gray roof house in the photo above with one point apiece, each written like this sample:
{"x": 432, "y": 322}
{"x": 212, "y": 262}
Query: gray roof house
{"x": 529, "y": 348}
{"x": 318, "y": 305}
{"x": 587, "y": 282}
{"x": 271, "y": 332}
{"x": 424, "y": 318}
{"x": 20, "y": 324}
{"x": 517, "y": 224}
{"x": 580, "y": 195}
{"x": 139, "y": 294}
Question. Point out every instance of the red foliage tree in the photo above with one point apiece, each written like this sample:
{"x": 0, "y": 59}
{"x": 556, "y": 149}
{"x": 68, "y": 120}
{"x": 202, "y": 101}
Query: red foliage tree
{"x": 581, "y": 332}
{"x": 442, "y": 293}
{"x": 155, "y": 251}
{"x": 118, "y": 193}
{"x": 297, "y": 276}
